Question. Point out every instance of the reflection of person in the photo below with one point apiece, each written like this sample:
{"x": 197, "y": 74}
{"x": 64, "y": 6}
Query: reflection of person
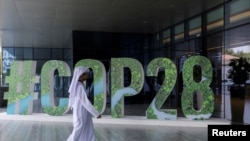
{"x": 83, "y": 110}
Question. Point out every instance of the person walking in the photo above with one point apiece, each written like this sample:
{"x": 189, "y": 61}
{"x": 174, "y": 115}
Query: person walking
{"x": 83, "y": 110}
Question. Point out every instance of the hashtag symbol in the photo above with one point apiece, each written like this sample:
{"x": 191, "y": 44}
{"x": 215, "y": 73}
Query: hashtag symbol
{"x": 21, "y": 82}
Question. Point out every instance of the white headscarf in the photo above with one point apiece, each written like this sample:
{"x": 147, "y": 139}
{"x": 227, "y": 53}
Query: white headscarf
{"x": 78, "y": 71}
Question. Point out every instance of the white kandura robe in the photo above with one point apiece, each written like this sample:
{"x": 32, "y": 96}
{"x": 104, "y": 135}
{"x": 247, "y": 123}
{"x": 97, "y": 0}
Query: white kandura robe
{"x": 83, "y": 110}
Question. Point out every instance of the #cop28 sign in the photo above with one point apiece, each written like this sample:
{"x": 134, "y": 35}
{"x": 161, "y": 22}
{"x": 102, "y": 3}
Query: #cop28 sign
{"x": 22, "y": 79}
